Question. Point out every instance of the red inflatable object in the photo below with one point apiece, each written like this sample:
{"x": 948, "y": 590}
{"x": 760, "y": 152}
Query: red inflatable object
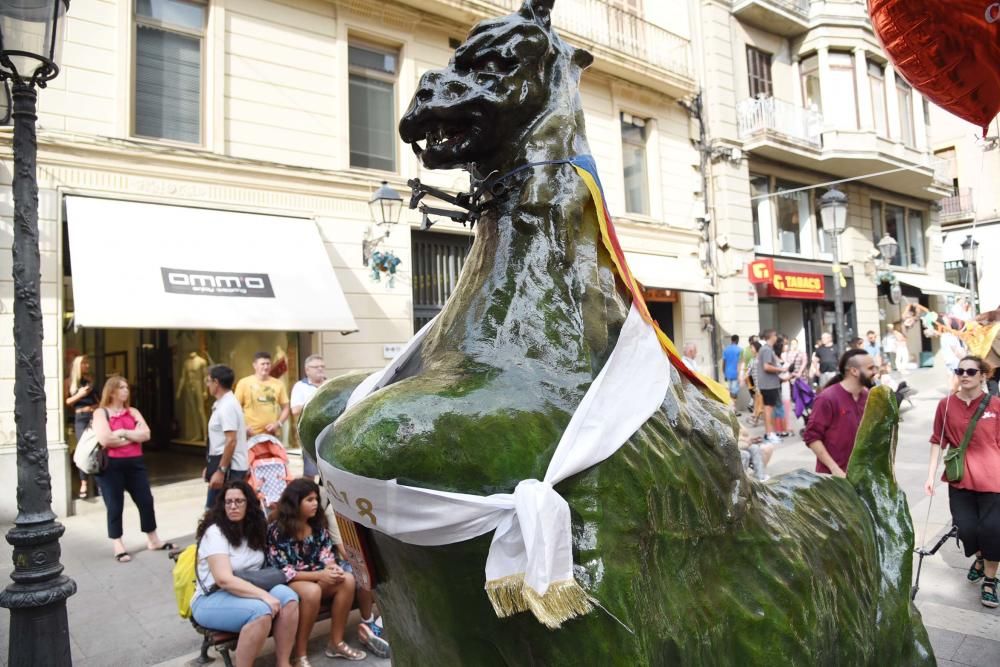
{"x": 949, "y": 50}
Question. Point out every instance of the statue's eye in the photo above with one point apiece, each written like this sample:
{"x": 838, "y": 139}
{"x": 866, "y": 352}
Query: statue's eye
{"x": 494, "y": 65}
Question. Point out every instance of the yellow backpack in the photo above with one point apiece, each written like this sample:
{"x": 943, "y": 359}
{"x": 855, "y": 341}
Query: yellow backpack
{"x": 184, "y": 579}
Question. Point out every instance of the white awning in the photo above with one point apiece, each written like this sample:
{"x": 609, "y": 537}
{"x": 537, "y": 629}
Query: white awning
{"x": 152, "y": 266}
{"x": 668, "y": 272}
{"x": 930, "y": 284}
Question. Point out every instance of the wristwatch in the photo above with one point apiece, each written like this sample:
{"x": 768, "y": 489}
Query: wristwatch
{"x": 224, "y": 470}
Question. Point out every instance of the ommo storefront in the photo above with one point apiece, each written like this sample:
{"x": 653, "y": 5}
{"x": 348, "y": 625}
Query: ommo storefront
{"x": 157, "y": 293}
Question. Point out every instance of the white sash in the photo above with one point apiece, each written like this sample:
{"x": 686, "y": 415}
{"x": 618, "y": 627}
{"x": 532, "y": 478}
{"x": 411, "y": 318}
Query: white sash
{"x": 530, "y": 565}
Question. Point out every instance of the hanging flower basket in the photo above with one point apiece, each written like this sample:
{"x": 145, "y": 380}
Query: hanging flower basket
{"x": 384, "y": 262}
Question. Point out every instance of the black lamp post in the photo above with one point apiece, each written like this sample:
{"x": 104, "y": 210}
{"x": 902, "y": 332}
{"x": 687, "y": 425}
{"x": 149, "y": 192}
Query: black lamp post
{"x": 833, "y": 211}
{"x": 30, "y": 38}
{"x": 970, "y": 253}
{"x": 384, "y": 206}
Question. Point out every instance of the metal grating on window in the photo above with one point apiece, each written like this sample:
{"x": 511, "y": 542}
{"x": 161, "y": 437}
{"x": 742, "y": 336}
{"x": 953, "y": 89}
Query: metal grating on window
{"x": 437, "y": 264}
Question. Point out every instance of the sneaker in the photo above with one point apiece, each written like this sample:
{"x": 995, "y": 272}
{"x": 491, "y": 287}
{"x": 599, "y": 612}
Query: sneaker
{"x": 976, "y": 573}
{"x": 772, "y": 438}
{"x": 988, "y": 595}
{"x": 370, "y": 636}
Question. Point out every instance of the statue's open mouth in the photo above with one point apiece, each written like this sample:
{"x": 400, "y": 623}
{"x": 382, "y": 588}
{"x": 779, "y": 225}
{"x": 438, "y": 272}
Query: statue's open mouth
{"x": 442, "y": 139}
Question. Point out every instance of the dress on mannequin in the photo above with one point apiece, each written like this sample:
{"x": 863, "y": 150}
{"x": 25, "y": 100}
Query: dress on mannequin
{"x": 191, "y": 398}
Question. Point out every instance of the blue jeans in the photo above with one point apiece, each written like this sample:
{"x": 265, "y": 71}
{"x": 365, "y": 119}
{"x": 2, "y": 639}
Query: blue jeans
{"x": 224, "y": 611}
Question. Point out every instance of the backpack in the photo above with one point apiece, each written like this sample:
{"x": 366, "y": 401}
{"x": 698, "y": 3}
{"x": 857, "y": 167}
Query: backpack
{"x": 184, "y": 579}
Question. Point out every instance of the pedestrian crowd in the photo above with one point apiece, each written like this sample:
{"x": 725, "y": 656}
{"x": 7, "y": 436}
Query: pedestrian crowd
{"x": 261, "y": 568}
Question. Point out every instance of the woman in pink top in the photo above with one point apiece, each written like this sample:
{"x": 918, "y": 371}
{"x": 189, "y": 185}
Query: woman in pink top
{"x": 975, "y": 500}
{"x": 121, "y": 430}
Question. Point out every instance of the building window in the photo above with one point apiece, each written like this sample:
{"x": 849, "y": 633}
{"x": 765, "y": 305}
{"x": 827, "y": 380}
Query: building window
{"x": 842, "y": 110}
{"x": 946, "y": 165}
{"x": 876, "y": 83}
{"x": 168, "y": 69}
{"x": 372, "y": 91}
{"x": 906, "y": 225}
{"x": 809, "y": 72}
{"x": 759, "y": 73}
{"x": 905, "y": 95}
{"x": 792, "y": 210}
{"x": 634, "y": 163}
{"x": 760, "y": 204}
{"x": 437, "y": 263}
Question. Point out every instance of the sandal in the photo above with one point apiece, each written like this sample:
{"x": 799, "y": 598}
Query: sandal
{"x": 976, "y": 571}
{"x": 166, "y": 546}
{"x": 123, "y": 557}
{"x": 342, "y": 650}
{"x": 988, "y": 593}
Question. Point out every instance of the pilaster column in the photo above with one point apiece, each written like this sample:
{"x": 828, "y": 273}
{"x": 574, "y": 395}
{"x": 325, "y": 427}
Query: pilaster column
{"x": 892, "y": 103}
{"x": 865, "y": 115}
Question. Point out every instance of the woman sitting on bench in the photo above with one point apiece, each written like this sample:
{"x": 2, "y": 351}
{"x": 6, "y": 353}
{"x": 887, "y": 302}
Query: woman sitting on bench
{"x": 299, "y": 543}
{"x": 232, "y": 537}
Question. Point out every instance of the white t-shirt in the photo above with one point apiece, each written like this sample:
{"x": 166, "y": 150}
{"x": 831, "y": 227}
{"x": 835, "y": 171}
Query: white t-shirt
{"x": 302, "y": 393}
{"x": 213, "y": 542}
{"x": 951, "y": 349}
{"x": 227, "y": 415}
{"x": 690, "y": 363}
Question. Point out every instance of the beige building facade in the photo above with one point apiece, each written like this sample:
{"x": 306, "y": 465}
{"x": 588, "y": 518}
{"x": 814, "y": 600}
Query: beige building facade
{"x": 799, "y": 98}
{"x": 265, "y": 115}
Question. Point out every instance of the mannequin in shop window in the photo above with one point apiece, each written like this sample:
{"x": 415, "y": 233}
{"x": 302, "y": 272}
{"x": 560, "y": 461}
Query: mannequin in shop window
{"x": 191, "y": 398}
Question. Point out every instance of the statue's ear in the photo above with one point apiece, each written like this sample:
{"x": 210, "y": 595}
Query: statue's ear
{"x": 539, "y": 11}
{"x": 582, "y": 58}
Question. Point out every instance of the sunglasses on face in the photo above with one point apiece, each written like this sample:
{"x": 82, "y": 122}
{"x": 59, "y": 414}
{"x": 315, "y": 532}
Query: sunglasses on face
{"x": 971, "y": 372}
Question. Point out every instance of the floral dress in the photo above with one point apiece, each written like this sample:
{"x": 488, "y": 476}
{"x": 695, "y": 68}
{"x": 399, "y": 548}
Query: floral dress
{"x": 293, "y": 556}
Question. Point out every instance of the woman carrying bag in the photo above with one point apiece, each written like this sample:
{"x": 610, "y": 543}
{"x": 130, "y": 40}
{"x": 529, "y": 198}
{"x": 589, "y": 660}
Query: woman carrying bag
{"x": 968, "y": 422}
{"x": 121, "y": 430}
{"x": 81, "y": 396}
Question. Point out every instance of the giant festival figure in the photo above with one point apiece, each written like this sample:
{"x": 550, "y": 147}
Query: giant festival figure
{"x": 545, "y": 482}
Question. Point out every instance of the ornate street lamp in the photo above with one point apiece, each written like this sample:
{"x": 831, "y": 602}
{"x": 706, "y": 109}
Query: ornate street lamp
{"x": 384, "y": 207}
{"x": 888, "y": 247}
{"x": 30, "y": 38}
{"x": 833, "y": 212}
{"x": 970, "y": 253}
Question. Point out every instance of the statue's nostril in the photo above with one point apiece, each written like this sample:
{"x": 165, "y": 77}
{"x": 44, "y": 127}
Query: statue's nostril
{"x": 424, "y": 94}
{"x": 456, "y": 88}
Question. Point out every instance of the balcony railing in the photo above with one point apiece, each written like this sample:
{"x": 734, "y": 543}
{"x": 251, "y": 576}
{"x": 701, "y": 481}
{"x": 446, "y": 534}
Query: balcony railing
{"x": 618, "y": 29}
{"x": 767, "y": 114}
{"x": 800, "y": 7}
{"x": 960, "y": 205}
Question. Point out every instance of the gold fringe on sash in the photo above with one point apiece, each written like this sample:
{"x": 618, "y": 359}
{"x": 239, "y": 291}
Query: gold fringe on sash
{"x": 562, "y": 601}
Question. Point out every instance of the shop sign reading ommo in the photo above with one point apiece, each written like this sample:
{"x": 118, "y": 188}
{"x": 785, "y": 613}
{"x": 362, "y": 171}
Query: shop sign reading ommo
{"x": 788, "y": 284}
{"x": 216, "y": 283}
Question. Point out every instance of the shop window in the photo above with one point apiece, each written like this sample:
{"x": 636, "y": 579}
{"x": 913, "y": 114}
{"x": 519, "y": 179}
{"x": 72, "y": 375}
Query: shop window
{"x": 906, "y": 225}
{"x": 905, "y": 96}
{"x": 169, "y": 36}
{"x": 437, "y": 263}
{"x": 760, "y": 205}
{"x": 842, "y": 110}
{"x": 876, "y": 84}
{"x": 372, "y": 103}
{"x": 759, "y": 73}
{"x": 809, "y": 72}
{"x": 793, "y": 219}
{"x": 634, "y": 164}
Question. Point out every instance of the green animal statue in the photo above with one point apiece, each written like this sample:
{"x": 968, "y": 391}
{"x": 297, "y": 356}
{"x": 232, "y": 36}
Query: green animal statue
{"x": 689, "y": 561}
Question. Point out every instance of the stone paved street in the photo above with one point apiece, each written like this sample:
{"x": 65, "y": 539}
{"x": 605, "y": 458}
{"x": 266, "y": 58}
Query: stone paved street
{"x": 125, "y": 615}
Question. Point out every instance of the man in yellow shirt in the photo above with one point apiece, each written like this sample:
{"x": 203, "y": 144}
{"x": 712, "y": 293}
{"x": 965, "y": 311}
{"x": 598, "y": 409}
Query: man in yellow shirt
{"x": 264, "y": 399}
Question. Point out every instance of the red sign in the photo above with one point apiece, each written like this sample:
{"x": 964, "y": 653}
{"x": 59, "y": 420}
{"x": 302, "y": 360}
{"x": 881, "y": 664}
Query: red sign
{"x": 793, "y": 285}
{"x": 760, "y": 271}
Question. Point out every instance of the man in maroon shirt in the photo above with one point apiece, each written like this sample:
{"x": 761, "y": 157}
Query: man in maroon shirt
{"x": 837, "y": 412}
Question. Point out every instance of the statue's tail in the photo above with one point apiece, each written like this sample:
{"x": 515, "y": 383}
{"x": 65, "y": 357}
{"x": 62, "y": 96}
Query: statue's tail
{"x": 903, "y": 639}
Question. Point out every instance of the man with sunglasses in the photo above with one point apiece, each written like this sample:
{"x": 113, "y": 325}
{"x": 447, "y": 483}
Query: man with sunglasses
{"x": 975, "y": 498}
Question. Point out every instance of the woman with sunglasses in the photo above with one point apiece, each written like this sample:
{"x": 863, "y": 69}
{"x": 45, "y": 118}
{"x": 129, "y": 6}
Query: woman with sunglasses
{"x": 231, "y": 539}
{"x": 975, "y": 499}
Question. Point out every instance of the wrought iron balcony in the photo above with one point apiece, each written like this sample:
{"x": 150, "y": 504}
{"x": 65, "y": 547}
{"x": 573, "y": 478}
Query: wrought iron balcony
{"x": 762, "y": 116}
{"x": 959, "y": 206}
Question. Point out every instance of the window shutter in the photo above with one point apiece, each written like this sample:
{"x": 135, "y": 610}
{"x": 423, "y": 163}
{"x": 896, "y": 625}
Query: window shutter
{"x": 167, "y": 85}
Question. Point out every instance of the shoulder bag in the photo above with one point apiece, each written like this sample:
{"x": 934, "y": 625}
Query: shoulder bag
{"x": 954, "y": 458}
{"x": 90, "y": 456}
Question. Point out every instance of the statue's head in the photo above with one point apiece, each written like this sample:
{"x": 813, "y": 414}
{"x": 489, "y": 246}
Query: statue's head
{"x": 508, "y": 74}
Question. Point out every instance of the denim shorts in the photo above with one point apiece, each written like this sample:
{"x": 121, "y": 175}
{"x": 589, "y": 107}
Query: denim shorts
{"x": 734, "y": 387}
{"x": 224, "y": 611}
